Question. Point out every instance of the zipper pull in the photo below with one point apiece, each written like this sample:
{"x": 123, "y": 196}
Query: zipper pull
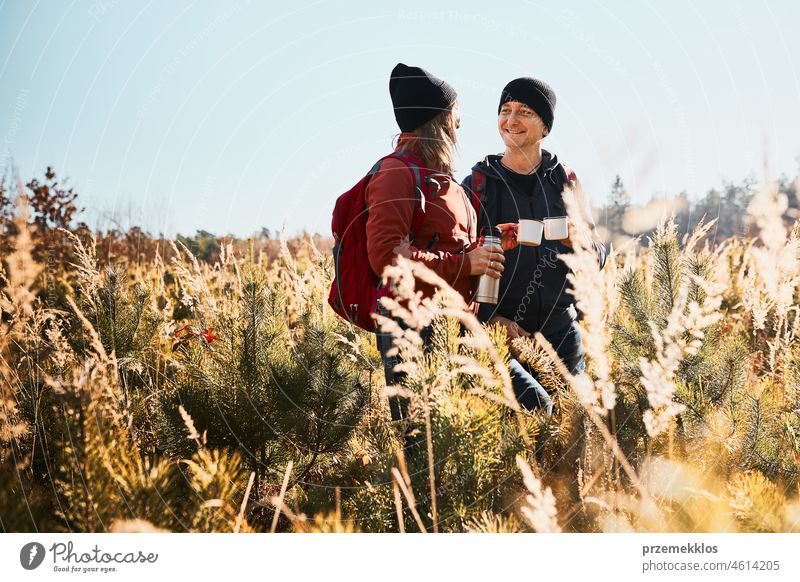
{"x": 434, "y": 240}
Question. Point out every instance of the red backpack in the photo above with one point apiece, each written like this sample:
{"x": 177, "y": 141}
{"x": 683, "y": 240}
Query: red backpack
{"x": 356, "y": 288}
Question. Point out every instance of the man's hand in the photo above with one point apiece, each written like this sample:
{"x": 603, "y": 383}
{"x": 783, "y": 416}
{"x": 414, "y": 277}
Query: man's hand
{"x": 508, "y": 235}
{"x": 567, "y": 242}
{"x": 513, "y": 330}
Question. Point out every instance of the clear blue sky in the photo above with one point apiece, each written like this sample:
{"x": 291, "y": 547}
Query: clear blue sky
{"x": 232, "y": 116}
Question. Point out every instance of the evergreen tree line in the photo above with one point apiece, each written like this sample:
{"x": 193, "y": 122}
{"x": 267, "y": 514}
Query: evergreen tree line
{"x": 728, "y": 204}
{"x": 55, "y": 206}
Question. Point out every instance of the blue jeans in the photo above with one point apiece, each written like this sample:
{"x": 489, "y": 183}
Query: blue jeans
{"x": 529, "y": 392}
{"x": 398, "y": 406}
{"x": 413, "y": 441}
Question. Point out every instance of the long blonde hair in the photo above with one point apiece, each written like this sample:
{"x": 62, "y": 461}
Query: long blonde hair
{"x": 434, "y": 142}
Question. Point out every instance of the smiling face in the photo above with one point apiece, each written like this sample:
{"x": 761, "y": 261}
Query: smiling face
{"x": 520, "y": 126}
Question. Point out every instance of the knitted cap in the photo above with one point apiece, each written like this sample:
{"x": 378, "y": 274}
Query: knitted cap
{"x": 417, "y": 96}
{"x": 534, "y": 93}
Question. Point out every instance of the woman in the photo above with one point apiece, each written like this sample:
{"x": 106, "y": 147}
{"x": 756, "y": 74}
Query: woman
{"x": 426, "y": 111}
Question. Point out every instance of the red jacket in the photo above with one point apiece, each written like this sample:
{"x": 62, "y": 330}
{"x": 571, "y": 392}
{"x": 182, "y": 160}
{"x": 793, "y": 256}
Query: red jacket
{"x": 446, "y": 234}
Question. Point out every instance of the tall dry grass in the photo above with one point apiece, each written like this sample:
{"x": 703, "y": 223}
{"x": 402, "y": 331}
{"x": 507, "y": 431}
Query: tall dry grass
{"x": 186, "y": 396}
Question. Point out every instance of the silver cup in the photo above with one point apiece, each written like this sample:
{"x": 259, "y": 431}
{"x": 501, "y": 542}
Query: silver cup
{"x": 530, "y": 232}
{"x": 555, "y": 228}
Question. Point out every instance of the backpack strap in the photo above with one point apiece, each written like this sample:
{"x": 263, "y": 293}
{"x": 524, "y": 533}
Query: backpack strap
{"x": 419, "y": 174}
{"x": 479, "y": 195}
{"x": 478, "y": 190}
{"x": 562, "y": 176}
{"x": 571, "y": 176}
{"x": 565, "y": 174}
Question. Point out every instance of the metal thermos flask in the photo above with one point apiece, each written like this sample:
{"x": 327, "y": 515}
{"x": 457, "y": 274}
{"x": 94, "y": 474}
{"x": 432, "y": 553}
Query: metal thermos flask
{"x": 489, "y": 287}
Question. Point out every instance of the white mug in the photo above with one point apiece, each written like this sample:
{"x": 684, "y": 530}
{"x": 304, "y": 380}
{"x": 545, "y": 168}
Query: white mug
{"x": 530, "y": 232}
{"x": 555, "y": 228}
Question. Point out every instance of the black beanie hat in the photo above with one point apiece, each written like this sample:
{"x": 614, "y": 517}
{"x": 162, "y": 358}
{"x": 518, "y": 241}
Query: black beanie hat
{"x": 417, "y": 96}
{"x": 534, "y": 93}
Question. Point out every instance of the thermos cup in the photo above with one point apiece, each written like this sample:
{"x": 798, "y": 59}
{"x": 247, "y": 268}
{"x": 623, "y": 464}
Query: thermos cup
{"x": 555, "y": 228}
{"x": 530, "y": 232}
{"x": 489, "y": 287}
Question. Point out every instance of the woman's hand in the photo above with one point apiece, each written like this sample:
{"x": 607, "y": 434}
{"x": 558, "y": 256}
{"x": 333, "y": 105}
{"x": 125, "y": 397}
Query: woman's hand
{"x": 486, "y": 260}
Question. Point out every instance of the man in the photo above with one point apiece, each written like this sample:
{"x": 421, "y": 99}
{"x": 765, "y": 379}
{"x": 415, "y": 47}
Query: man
{"x": 526, "y": 182}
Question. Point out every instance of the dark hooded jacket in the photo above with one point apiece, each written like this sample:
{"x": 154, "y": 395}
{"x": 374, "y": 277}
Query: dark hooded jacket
{"x": 534, "y": 290}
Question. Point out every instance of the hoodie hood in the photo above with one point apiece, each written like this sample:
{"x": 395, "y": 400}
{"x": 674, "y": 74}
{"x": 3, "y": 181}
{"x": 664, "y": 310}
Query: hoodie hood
{"x": 491, "y": 167}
